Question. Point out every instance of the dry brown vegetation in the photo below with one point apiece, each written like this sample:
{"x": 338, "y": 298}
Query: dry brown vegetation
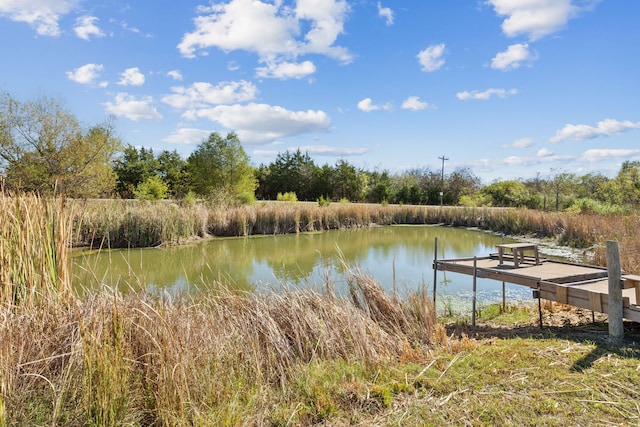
{"x": 112, "y": 359}
{"x": 288, "y": 358}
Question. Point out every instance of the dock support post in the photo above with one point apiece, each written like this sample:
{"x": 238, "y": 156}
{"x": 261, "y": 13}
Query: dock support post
{"x": 616, "y": 324}
{"x": 504, "y": 290}
{"x": 473, "y": 296}
{"x": 435, "y": 271}
{"x": 540, "y": 307}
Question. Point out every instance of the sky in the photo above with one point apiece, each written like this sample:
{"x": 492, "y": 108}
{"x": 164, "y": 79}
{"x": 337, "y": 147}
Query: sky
{"x": 512, "y": 89}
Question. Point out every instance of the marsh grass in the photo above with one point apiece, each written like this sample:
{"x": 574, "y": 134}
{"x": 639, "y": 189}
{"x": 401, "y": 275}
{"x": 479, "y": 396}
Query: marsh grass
{"x": 113, "y": 359}
{"x": 34, "y": 242}
{"x": 133, "y": 223}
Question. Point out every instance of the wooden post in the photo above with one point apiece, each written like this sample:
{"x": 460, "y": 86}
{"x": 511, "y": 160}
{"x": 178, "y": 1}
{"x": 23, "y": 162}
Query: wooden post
{"x": 616, "y": 325}
{"x": 540, "y": 307}
{"x": 435, "y": 272}
{"x": 473, "y": 296}
{"x": 504, "y": 290}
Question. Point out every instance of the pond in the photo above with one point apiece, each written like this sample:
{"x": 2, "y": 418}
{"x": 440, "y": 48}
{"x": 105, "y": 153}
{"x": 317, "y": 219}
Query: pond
{"x": 398, "y": 257}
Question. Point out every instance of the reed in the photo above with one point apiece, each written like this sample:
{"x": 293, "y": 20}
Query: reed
{"x": 205, "y": 359}
{"x": 132, "y": 223}
{"x": 33, "y": 250}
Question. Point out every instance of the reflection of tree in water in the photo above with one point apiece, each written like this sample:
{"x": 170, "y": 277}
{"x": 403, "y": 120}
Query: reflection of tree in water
{"x": 198, "y": 265}
{"x": 288, "y": 258}
{"x": 294, "y": 258}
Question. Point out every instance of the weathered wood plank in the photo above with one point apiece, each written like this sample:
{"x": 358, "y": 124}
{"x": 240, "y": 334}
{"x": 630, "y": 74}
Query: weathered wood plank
{"x": 566, "y": 283}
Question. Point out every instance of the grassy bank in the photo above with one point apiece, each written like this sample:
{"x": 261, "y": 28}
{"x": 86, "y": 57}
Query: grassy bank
{"x": 304, "y": 359}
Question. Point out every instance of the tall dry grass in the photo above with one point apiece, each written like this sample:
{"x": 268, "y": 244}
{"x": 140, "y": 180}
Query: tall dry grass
{"x": 224, "y": 359}
{"x": 34, "y": 241}
{"x": 133, "y": 223}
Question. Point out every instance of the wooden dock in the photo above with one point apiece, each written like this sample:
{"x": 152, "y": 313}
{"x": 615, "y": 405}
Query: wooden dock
{"x": 566, "y": 283}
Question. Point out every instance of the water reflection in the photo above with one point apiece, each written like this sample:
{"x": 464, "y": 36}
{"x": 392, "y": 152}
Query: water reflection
{"x": 397, "y": 257}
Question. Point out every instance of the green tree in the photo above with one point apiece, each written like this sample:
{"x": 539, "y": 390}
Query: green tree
{"x": 219, "y": 168}
{"x": 173, "y": 170}
{"x": 628, "y": 184}
{"x": 563, "y": 186}
{"x": 380, "y": 187}
{"x": 292, "y": 173}
{"x": 407, "y": 189}
{"x": 349, "y": 182}
{"x": 461, "y": 182}
{"x": 43, "y": 148}
{"x": 506, "y": 193}
{"x": 132, "y": 168}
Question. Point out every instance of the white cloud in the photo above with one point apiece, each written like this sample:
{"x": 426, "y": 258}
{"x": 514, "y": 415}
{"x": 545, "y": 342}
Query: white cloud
{"x": 605, "y": 127}
{"x": 535, "y": 18}
{"x": 286, "y": 70}
{"x": 545, "y": 152}
{"x": 597, "y": 155}
{"x": 522, "y": 143}
{"x": 325, "y": 150}
{"x": 512, "y": 58}
{"x": 367, "y": 106}
{"x": 86, "y": 74}
{"x": 188, "y": 136}
{"x": 270, "y": 29}
{"x": 86, "y": 27}
{"x": 485, "y": 95}
{"x": 125, "y": 26}
{"x": 202, "y": 94}
{"x": 386, "y": 13}
{"x": 43, "y": 15}
{"x": 543, "y": 157}
{"x": 431, "y": 58}
{"x": 133, "y": 108}
{"x": 131, "y": 77}
{"x": 175, "y": 75}
{"x": 518, "y": 161}
{"x": 261, "y": 123}
{"x": 414, "y": 103}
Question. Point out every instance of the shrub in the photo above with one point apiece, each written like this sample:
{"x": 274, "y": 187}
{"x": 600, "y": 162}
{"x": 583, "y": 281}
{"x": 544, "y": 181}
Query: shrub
{"x": 248, "y": 198}
{"x": 153, "y": 188}
{"x": 591, "y": 206}
{"x": 287, "y": 197}
{"x": 323, "y": 202}
{"x": 189, "y": 199}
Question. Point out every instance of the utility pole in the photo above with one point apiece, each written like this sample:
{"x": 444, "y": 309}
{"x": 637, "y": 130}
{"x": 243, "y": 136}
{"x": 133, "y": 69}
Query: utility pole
{"x": 443, "y": 158}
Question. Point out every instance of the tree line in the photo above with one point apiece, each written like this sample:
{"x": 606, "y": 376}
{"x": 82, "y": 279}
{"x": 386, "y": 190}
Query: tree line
{"x": 44, "y": 149}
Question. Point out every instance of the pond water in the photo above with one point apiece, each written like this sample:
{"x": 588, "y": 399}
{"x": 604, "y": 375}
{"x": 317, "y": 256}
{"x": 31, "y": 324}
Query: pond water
{"x": 397, "y": 257}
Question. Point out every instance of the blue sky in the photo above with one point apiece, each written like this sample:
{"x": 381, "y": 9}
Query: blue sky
{"x": 509, "y": 88}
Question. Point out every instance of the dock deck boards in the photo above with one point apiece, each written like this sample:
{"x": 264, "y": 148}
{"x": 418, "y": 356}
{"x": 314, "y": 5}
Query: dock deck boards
{"x": 573, "y": 284}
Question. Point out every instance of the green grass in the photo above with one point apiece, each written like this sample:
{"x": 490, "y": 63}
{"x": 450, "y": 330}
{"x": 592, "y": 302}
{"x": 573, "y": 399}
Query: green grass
{"x": 528, "y": 381}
